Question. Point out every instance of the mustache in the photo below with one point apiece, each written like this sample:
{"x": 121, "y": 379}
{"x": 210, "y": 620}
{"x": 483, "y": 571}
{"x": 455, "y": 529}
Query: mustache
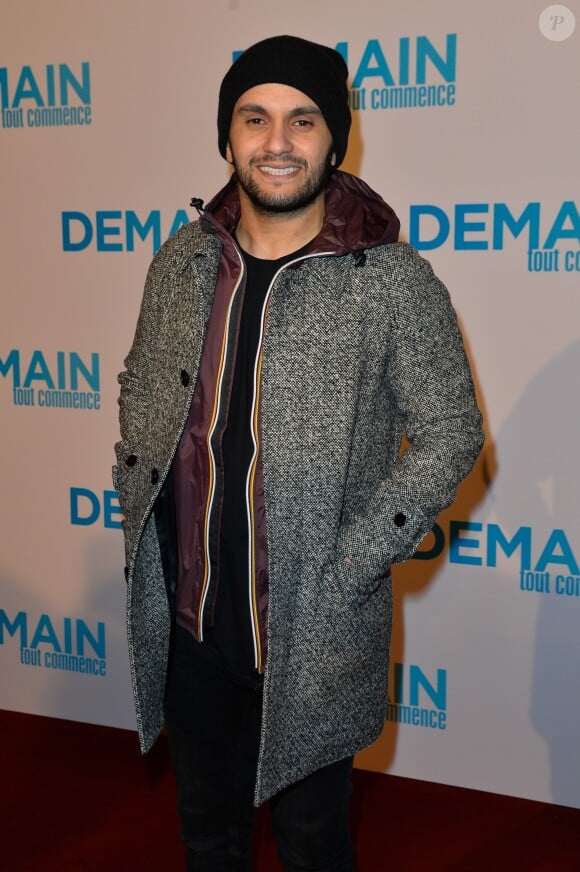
{"x": 278, "y": 158}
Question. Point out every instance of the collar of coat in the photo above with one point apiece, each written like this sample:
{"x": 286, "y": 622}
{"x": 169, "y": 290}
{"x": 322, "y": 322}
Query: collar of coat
{"x": 355, "y": 216}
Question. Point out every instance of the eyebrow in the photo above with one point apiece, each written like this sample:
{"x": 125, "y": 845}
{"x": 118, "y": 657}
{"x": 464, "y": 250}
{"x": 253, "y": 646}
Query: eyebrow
{"x": 256, "y": 109}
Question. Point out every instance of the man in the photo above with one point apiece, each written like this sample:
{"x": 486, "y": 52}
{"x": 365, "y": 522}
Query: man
{"x": 286, "y": 343}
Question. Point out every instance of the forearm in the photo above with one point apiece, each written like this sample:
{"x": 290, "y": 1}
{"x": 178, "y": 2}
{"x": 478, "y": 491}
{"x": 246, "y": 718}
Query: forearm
{"x": 430, "y": 380}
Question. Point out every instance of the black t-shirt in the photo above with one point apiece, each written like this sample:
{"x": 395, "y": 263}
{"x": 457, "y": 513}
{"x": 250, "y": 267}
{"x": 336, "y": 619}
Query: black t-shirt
{"x": 228, "y": 636}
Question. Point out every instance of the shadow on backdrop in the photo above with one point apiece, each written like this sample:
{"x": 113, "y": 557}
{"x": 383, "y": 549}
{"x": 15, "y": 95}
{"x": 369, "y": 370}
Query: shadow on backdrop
{"x": 540, "y": 486}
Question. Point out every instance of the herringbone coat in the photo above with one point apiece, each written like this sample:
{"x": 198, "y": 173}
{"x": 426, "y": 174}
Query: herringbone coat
{"x": 355, "y": 355}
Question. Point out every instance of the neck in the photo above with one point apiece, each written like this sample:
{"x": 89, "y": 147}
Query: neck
{"x": 271, "y": 235}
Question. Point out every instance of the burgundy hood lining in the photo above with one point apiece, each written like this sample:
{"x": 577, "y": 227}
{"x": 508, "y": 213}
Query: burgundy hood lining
{"x": 356, "y": 217}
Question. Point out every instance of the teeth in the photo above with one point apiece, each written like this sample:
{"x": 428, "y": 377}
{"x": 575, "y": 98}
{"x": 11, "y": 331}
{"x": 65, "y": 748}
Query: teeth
{"x": 278, "y": 171}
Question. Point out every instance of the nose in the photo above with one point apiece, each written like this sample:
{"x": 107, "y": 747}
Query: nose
{"x": 278, "y": 139}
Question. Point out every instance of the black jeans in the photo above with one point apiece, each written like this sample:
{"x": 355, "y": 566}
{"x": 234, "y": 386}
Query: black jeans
{"x": 214, "y": 735}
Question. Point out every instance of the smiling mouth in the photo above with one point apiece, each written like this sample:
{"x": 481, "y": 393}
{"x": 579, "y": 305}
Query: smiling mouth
{"x": 279, "y": 171}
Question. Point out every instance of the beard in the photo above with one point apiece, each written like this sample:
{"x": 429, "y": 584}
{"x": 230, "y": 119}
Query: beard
{"x": 278, "y": 204}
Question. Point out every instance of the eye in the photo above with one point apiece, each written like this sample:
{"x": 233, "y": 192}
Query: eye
{"x": 303, "y": 122}
{"x": 256, "y": 120}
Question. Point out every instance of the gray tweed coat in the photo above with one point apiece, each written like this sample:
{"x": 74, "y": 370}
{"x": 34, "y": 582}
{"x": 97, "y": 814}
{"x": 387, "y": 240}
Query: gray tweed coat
{"x": 354, "y": 356}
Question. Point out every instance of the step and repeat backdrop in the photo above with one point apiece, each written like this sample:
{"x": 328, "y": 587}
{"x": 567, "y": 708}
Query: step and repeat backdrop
{"x": 466, "y": 121}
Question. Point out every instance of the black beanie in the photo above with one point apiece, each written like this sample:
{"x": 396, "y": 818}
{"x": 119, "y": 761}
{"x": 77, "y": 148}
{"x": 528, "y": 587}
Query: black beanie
{"x": 316, "y": 70}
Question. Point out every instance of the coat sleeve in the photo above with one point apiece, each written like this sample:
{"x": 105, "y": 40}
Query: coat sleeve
{"x": 430, "y": 378}
{"x": 137, "y": 389}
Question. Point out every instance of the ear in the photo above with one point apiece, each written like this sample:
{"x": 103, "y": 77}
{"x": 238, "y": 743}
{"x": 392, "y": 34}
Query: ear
{"x": 229, "y": 156}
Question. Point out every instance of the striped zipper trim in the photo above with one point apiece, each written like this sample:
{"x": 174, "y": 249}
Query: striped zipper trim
{"x": 211, "y": 456}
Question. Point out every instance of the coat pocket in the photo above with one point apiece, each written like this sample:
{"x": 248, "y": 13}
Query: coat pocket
{"x": 355, "y": 586}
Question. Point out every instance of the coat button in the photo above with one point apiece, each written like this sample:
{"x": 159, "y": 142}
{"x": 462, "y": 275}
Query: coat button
{"x": 154, "y": 476}
{"x": 400, "y": 519}
{"x": 184, "y": 375}
{"x": 131, "y": 460}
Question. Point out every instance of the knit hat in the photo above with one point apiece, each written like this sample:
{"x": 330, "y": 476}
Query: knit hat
{"x": 316, "y": 70}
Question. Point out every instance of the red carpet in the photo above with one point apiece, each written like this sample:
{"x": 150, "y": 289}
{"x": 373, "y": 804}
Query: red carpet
{"x": 78, "y": 797}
